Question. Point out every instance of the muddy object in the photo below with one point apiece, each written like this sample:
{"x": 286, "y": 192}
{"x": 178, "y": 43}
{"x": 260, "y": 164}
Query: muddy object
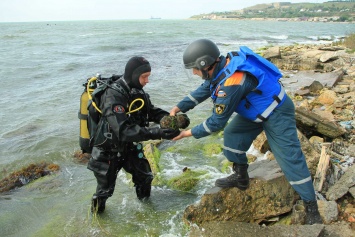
{"x": 298, "y": 216}
{"x": 82, "y": 158}
{"x": 26, "y": 175}
{"x": 175, "y": 122}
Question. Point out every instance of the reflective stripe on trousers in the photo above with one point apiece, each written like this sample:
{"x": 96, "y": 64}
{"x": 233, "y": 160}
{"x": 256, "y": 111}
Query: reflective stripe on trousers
{"x": 281, "y": 132}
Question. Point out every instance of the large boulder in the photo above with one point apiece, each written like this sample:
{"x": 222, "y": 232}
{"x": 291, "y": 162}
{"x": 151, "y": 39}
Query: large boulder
{"x": 307, "y": 120}
{"x": 311, "y": 154}
{"x": 240, "y": 229}
{"x": 269, "y": 195}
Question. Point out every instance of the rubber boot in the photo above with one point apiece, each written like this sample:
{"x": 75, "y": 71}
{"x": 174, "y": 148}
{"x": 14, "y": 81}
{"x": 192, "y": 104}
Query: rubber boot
{"x": 143, "y": 191}
{"x": 98, "y": 204}
{"x": 239, "y": 178}
{"x": 312, "y": 213}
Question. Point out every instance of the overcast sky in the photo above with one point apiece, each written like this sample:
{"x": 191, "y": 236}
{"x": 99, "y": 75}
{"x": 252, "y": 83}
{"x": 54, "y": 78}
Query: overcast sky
{"x": 68, "y": 10}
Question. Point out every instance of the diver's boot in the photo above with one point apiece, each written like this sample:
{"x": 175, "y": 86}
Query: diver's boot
{"x": 98, "y": 204}
{"x": 239, "y": 178}
{"x": 143, "y": 190}
{"x": 312, "y": 213}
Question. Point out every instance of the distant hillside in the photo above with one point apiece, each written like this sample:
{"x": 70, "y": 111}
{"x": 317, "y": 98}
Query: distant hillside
{"x": 343, "y": 11}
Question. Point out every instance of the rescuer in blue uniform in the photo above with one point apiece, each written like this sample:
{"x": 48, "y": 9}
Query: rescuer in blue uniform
{"x": 245, "y": 83}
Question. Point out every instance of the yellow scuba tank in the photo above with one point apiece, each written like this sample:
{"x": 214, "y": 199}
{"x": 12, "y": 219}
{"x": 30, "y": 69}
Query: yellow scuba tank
{"x": 84, "y": 137}
{"x": 87, "y": 102}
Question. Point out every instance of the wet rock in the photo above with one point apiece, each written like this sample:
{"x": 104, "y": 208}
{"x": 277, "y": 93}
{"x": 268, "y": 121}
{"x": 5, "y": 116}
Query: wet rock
{"x": 26, "y": 175}
{"x": 269, "y": 195}
{"x": 186, "y": 181}
{"x": 240, "y": 229}
{"x": 211, "y": 149}
{"x": 81, "y": 157}
{"x": 152, "y": 153}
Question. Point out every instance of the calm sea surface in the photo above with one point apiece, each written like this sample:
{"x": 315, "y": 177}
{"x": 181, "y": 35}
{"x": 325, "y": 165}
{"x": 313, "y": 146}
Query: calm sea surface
{"x": 42, "y": 68}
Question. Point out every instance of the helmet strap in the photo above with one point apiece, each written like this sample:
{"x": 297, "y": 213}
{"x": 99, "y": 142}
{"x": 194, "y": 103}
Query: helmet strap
{"x": 211, "y": 66}
{"x": 204, "y": 74}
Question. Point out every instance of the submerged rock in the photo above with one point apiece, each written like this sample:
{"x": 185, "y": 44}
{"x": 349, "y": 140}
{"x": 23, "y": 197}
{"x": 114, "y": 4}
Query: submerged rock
{"x": 152, "y": 153}
{"x": 26, "y": 175}
{"x": 187, "y": 180}
{"x": 82, "y": 158}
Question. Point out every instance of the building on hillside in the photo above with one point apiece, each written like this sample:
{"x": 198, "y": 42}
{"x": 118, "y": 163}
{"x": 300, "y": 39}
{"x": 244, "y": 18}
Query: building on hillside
{"x": 281, "y": 4}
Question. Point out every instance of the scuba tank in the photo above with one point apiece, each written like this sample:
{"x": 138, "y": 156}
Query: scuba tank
{"x": 84, "y": 137}
{"x": 90, "y": 114}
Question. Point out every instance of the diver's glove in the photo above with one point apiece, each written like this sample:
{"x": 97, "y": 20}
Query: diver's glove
{"x": 175, "y": 122}
{"x": 163, "y": 133}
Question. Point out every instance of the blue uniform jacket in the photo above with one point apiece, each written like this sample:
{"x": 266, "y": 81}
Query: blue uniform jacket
{"x": 224, "y": 105}
{"x": 245, "y": 73}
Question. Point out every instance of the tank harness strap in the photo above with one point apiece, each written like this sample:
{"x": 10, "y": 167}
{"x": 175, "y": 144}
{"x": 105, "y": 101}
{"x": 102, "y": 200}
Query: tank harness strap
{"x": 82, "y": 116}
{"x": 277, "y": 100}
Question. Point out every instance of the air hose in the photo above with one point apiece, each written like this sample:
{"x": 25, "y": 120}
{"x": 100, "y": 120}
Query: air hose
{"x": 90, "y": 90}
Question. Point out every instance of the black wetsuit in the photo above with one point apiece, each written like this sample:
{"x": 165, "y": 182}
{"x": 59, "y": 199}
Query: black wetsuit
{"x": 119, "y": 132}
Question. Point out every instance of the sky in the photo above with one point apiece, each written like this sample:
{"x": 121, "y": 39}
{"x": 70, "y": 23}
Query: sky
{"x": 71, "y": 10}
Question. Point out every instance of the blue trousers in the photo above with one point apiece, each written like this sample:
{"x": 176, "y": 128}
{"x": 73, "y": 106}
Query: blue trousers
{"x": 281, "y": 133}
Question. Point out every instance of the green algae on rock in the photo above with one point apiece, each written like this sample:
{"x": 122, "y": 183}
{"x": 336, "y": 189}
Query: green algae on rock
{"x": 187, "y": 180}
{"x": 26, "y": 175}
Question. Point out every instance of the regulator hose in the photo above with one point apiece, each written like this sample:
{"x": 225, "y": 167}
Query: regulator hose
{"x": 97, "y": 108}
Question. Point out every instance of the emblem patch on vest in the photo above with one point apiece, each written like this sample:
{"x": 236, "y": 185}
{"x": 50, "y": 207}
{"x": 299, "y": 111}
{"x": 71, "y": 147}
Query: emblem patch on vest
{"x": 221, "y": 93}
{"x": 220, "y": 108}
{"x": 118, "y": 109}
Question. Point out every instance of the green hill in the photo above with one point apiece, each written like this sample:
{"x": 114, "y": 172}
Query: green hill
{"x": 343, "y": 11}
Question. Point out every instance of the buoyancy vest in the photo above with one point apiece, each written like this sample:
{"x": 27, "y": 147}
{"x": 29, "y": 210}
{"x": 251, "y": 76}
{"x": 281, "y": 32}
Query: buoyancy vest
{"x": 269, "y": 94}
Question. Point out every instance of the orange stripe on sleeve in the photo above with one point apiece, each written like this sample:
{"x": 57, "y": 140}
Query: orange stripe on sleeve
{"x": 235, "y": 79}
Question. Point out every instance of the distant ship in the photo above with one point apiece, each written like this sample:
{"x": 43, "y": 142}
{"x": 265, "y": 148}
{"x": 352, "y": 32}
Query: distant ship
{"x": 155, "y": 18}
